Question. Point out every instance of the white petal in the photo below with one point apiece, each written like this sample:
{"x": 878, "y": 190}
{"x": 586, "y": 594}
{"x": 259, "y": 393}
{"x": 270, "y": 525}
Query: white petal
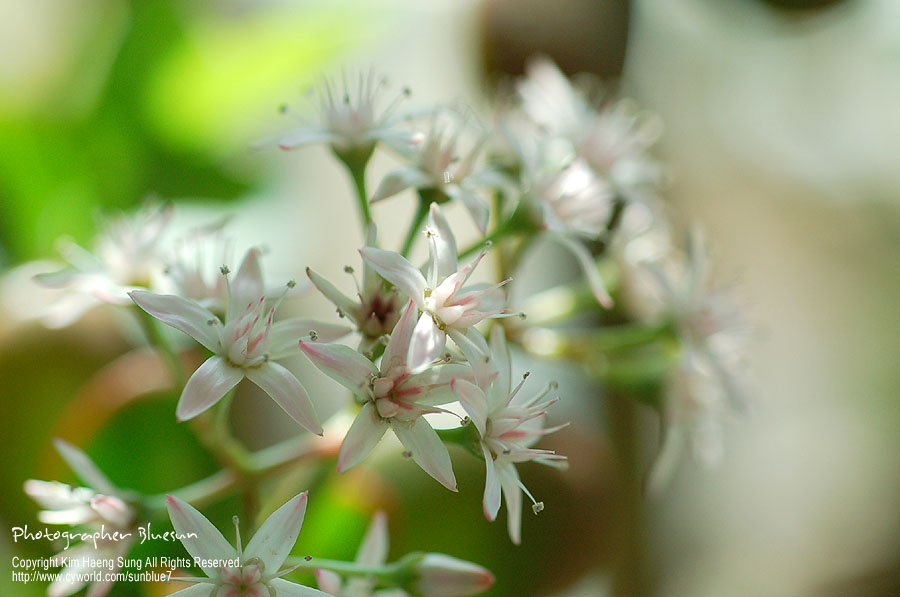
{"x": 509, "y": 481}
{"x": 247, "y": 286}
{"x": 442, "y": 246}
{"x": 345, "y": 304}
{"x": 397, "y": 270}
{"x": 473, "y": 400}
{"x": 476, "y": 206}
{"x": 474, "y": 347}
{"x": 276, "y": 537}
{"x": 666, "y": 463}
{"x": 342, "y": 364}
{"x": 286, "y": 588}
{"x": 427, "y": 450}
{"x": 84, "y": 467}
{"x": 491, "y": 502}
{"x": 373, "y": 551}
{"x": 181, "y": 314}
{"x": 589, "y": 267}
{"x": 308, "y": 136}
{"x": 398, "y": 180}
{"x": 287, "y": 392}
{"x": 201, "y": 539}
{"x": 432, "y": 386}
{"x": 285, "y": 334}
{"x": 502, "y": 364}
{"x": 206, "y": 386}
{"x": 397, "y": 349}
{"x": 426, "y": 345}
{"x": 365, "y": 433}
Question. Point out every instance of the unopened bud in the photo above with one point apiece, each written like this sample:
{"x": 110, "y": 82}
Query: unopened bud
{"x": 439, "y": 575}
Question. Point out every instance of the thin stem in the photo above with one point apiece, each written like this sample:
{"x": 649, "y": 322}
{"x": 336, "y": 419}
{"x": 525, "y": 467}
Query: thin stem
{"x": 414, "y": 226}
{"x": 199, "y": 493}
{"x": 362, "y": 196}
{"x": 386, "y": 572}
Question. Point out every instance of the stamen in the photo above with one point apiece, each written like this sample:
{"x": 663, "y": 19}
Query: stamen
{"x": 518, "y": 387}
{"x": 536, "y": 506}
{"x": 237, "y": 532}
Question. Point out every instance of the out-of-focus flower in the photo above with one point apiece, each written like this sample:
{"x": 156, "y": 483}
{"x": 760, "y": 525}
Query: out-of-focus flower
{"x": 246, "y": 345}
{"x": 375, "y": 313}
{"x": 507, "y": 426}
{"x": 373, "y": 552}
{"x": 258, "y": 571}
{"x": 191, "y": 261}
{"x": 436, "y": 165}
{"x": 350, "y": 122}
{"x": 126, "y": 256}
{"x": 394, "y": 397}
{"x": 103, "y": 511}
{"x": 448, "y": 308}
{"x": 707, "y": 382}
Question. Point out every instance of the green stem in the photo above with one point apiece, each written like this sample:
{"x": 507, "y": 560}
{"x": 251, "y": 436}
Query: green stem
{"x": 414, "y": 226}
{"x": 517, "y": 223}
{"x": 199, "y": 493}
{"x": 386, "y": 572}
{"x": 356, "y": 160}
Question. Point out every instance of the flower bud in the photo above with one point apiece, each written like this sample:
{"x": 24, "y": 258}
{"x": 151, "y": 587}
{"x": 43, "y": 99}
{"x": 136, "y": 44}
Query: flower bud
{"x": 439, "y": 575}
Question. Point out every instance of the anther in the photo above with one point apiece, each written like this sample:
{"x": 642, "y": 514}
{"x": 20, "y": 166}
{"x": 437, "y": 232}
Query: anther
{"x": 283, "y": 108}
{"x": 291, "y": 283}
{"x": 407, "y": 91}
{"x": 348, "y": 269}
{"x": 407, "y": 454}
{"x": 554, "y": 385}
{"x": 307, "y": 558}
{"x": 526, "y": 375}
{"x": 313, "y": 335}
{"x": 213, "y": 321}
{"x": 538, "y": 507}
{"x": 225, "y": 270}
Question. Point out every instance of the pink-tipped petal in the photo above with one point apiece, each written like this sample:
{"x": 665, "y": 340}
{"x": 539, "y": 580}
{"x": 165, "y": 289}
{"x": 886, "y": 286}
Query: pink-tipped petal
{"x": 473, "y": 400}
{"x": 397, "y": 349}
{"x": 342, "y": 364}
{"x": 397, "y": 270}
{"x": 427, "y": 344}
{"x": 182, "y": 314}
{"x": 329, "y": 581}
{"x": 276, "y": 537}
{"x": 365, "y": 433}
{"x": 281, "y": 385}
{"x": 345, "y": 304}
{"x": 207, "y": 386}
{"x": 491, "y": 502}
{"x": 427, "y": 450}
{"x": 474, "y": 347}
{"x": 373, "y": 551}
{"x": 200, "y": 538}
{"x": 512, "y": 493}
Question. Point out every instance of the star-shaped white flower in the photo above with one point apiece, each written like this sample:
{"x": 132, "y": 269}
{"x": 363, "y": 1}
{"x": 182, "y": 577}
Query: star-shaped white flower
{"x": 393, "y": 397}
{"x": 349, "y": 120}
{"x": 126, "y": 256}
{"x": 258, "y": 573}
{"x": 448, "y": 307}
{"x": 435, "y": 164}
{"x": 507, "y": 426}
{"x": 245, "y": 345}
{"x": 102, "y": 507}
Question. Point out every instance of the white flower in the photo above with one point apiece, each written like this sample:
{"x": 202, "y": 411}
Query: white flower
{"x": 706, "y": 384}
{"x": 349, "y": 120}
{"x": 104, "y": 508}
{"x": 507, "y": 426}
{"x": 189, "y": 265}
{"x": 126, "y": 256}
{"x": 376, "y": 311}
{"x": 436, "y": 165}
{"x": 448, "y": 308}
{"x": 257, "y": 573}
{"x": 394, "y": 397}
{"x": 246, "y": 345}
